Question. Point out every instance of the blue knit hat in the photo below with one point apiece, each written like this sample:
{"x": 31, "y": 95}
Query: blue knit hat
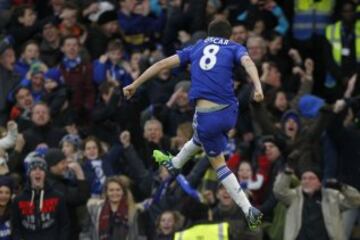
{"x": 7, "y": 181}
{"x": 74, "y": 139}
{"x": 32, "y": 160}
{"x": 291, "y": 114}
{"x": 36, "y": 162}
{"x": 54, "y": 74}
{"x": 309, "y": 106}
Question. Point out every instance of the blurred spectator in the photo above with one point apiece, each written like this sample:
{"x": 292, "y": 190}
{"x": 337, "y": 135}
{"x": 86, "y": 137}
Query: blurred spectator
{"x": 159, "y": 90}
{"x": 341, "y": 50}
{"x": 277, "y": 53}
{"x": 106, "y": 29}
{"x": 267, "y": 13}
{"x": 8, "y": 79}
{"x": 21, "y": 111}
{"x": 50, "y": 51}
{"x": 78, "y": 77}
{"x": 239, "y": 33}
{"x": 97, "y": 165}
{"x": 319, "y": 214}
{"x": 111, "y": 113}
{"x": 75, "y": 192}
{"x": 227, "y": 211}
{"x": 69, "y": 25}
{"x": 6, "y": 191}
{"x": 9, "y": 140}
{"x": 177, "y": 110}
{"x": 310, "y": 19}
{"x": 24, "y": 24}
{"x": 109, "y": 67}
{"x": 257, "y": 50}
{"x": 167, "y": 224}
{"x": 39, "y": 212}
{"x": 42, "y": 132}
{"x": 154, "y": 139}
{"x": 49, "y": 8}
{"x": 184, "y": 133}
{"x": 268, "y": 167}
{"x": 137, "y": 26}
{"x": 182, "y": 15}
{"x": 4, "y": 163}
{"x": 34, "y": 80}
{"x": 29, "y": 55}
{"x": 249, "y": 181}
{"x": 70, "y": 145}
{"x": 114, "y": 216}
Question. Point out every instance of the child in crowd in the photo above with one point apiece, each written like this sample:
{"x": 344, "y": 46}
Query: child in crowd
{"x": 109, "y": 67}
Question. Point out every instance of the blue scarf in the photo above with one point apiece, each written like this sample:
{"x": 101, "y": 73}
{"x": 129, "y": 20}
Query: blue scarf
{"x": 5, "y": 230}
{"x": 70, "y": 64}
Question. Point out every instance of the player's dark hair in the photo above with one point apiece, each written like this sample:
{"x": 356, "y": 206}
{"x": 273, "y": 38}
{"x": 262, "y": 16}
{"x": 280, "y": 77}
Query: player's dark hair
{"x": 219, "y": 28}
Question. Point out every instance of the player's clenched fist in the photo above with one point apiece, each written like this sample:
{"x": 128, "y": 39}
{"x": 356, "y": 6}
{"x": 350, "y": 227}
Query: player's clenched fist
{"x": 258, "y": 96}
{"x": 129, "y": 91}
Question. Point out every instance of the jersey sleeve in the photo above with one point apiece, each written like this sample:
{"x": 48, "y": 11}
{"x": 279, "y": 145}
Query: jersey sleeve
{"x": 184, "y": 55}
{"x": 240, "y": 52}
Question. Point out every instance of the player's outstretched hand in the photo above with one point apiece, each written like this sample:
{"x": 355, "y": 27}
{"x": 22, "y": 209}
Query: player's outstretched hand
{"x": 258, "y": 95}
{"x": 129, "y": 90}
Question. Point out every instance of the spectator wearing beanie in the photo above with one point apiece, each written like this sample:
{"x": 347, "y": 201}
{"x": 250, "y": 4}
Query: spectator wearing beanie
{"x": 6, "y": 189}
{"x": 269, "y": 166}
{"x": 34, "y": 80}
{"x": 70, "y": 145}
{"x": 303, "y": 142}
{"x": 314, "y": 212}
{"x": 39, "y": 212}
{"x": 106, "y": 29}
{"x": 75, "y": 193}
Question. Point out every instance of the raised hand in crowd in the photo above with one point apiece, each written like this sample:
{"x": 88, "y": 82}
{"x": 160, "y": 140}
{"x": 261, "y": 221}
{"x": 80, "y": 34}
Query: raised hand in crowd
{"x": 19, "y": 143}
{"x": 350, "y": 86}
{"x": 125, "y": 139}
{"x": 76, "y": 168}
{"x": 339, "y": 106}
{"x": 295, "y": 56}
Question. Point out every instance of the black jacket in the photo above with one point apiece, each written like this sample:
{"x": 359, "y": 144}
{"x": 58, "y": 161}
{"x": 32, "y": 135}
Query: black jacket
{"x": 44, "y": 134}
{"x": 31, "y": 222}
{"x": 75, "y": 195}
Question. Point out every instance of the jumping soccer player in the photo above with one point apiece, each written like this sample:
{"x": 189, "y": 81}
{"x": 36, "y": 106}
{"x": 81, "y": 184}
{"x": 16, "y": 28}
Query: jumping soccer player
{"x": 212, "y": 62}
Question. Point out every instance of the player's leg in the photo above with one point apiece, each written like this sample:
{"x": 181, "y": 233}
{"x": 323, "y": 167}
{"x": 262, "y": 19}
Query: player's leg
{"x": 212, "y": 132}
{"x": 231, "y": 184}
{"x": 190, "y": 148}
{"x": 174, "y": 164}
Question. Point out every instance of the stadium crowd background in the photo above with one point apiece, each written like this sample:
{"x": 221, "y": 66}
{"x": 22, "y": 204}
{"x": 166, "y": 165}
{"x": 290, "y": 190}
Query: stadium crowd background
{"x": 76, "y": 157}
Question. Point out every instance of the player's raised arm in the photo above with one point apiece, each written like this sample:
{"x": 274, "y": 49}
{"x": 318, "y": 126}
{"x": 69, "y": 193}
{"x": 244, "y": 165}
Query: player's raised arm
{"x": 167, "y": 63}
{"x": 251, "y": 69}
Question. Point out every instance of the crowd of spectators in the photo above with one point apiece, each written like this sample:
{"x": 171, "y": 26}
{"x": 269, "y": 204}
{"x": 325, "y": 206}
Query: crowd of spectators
{"x": 76, "y": 156}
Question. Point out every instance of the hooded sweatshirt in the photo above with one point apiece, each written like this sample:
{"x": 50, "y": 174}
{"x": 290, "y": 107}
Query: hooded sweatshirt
{"x": 40, "y": 215}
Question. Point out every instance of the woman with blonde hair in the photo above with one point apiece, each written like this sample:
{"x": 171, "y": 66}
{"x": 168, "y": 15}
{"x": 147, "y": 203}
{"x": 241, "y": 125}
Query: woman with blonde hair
{"x": 113, "y": 216}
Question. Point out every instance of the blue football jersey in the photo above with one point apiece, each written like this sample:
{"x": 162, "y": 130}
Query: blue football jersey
{"x": 212, "y": 62}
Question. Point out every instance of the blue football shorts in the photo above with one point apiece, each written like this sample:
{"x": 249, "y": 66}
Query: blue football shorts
{"x": 211, "y": 128}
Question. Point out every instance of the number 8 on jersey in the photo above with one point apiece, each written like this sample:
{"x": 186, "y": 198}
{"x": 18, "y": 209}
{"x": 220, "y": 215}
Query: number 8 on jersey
{"x": 208, "y": 60}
